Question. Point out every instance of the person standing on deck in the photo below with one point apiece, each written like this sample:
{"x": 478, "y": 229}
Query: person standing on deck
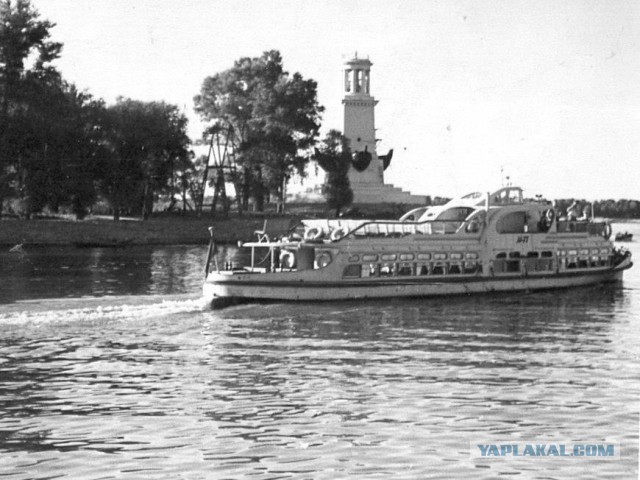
{"x": 572, "y": 212}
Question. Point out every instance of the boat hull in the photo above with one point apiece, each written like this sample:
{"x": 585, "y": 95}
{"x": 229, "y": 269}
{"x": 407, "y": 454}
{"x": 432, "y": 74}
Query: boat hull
{"x": 222, "y": 289}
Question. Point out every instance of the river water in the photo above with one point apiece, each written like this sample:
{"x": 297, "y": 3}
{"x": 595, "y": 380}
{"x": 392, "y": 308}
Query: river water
{"x": 111, "y": 366}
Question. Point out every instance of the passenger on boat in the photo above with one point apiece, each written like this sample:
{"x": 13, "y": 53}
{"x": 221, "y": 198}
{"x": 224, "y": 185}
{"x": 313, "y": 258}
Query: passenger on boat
{"x": 586, "y": 213}
{"x": 572, "y": 212}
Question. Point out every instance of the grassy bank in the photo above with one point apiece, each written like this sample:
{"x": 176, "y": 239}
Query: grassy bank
{"x": 164, "y": 230}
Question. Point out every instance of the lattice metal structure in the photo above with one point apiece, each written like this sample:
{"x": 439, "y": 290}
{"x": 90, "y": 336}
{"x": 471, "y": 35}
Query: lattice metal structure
{"x": 220, "y": 168}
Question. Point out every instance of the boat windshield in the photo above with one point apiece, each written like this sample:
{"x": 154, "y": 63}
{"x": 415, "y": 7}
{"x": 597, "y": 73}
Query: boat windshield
{"x": 473, "y": 196}
{"x": 413, "y": 215}
{"x": 507, "y": 195}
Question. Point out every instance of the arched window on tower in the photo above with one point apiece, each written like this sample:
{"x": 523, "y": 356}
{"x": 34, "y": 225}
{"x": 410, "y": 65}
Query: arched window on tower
{"x": 347, "y": 80}
{"x": 358, "y": 81}
{"x": 366, "y": 81}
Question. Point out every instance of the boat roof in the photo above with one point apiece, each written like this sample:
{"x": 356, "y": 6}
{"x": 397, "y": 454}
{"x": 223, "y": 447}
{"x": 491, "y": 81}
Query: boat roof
{"x": 504, "y": 196}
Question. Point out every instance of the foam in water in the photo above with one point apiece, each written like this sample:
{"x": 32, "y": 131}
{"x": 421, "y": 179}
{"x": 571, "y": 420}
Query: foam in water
{"x": 104, "y": 308}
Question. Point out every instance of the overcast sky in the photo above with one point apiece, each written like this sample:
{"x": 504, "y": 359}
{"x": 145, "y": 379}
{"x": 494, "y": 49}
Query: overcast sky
{"x": 548, "y": 91}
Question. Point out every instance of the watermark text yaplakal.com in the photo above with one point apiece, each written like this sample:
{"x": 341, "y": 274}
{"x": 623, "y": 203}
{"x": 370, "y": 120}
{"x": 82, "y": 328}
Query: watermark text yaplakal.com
{"x": 609, "y": 450}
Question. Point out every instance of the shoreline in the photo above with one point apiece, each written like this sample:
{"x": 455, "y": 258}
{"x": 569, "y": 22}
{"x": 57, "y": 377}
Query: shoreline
{"x": 163, "y": 230}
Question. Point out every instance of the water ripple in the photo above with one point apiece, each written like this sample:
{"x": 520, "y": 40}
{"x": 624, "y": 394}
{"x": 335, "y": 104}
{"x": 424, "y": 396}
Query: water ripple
{"x": 160, "y": 387}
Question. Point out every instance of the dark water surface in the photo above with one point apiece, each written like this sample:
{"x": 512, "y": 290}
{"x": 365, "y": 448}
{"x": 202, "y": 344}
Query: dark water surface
{"x": 111, "y": 366}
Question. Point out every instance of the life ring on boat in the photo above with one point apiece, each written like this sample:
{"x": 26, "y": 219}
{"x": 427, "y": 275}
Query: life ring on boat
{"x": 323, "y": 259}
{"x": 287, "y": 259}
{"x": 313, "y": 233}
{"x": 549, "y": 216}
{"x": 338, "y": 233}
{"x": 473, "y": 226}
{"x": 606, "y": 231}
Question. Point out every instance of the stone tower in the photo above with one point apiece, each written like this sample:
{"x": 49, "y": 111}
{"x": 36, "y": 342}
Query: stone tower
{"x": 359, "y": 119}
{"x": 367, "y": 180}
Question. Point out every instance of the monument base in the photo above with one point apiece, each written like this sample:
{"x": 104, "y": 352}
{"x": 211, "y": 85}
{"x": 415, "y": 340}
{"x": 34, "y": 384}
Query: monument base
{"x": 363, "y": 193}
{"x": 384, "y": 193}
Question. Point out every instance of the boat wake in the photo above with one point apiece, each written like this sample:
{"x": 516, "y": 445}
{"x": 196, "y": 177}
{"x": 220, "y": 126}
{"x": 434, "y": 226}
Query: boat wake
{"x": 68, "y": 310}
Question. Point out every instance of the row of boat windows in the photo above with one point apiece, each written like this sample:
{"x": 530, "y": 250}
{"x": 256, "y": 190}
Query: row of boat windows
{"x": 390, "y": 257}
{"x": 584, "y": 258}
{"x": 411, "y": 269}
{"x": 392, "y": 264}
{"x": 455, "y": 263}
{"x": 561, "y": 253}
{"x": 513, "y": 262}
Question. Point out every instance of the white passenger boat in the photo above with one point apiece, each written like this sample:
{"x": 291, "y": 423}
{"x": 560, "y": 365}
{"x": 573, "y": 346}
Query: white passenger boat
{"x": 476, "y": 244}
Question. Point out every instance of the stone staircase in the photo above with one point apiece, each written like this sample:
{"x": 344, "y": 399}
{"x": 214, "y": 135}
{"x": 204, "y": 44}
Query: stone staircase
{"x": 384, "y": 193}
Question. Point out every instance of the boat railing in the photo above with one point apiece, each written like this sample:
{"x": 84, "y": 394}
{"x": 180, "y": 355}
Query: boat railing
{"x": 577, "y": 226}
{"x": 386, "y": 228}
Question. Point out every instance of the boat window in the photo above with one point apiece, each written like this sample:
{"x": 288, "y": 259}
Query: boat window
{"x": 515, "y": 196}
{"x": 499, "y": 197}
{"x": 471, "y": 266}
{"x": 388, "y": 256}
{"x": 506, "y": 266}
{"x": 352, "y": 271}
{"x": 369, "y": 270}
{"x": 386, "y": 270}
{"x": 547, "y": 254}
{"x": 512, "y": 266}
{"x": 454, "y": 268}
{"x": 457, "y": 214}
{"x": 405, "y": 269}
{"x": 545, "y": 264}
{"x": 534, "y": 264}
{"x": 424, "y": 256}
{"x": 406, "y": 256}
{"x": 507, "y": 195}
{"x": 532, "y": 254}
{"x": 369, "y": 258}
{"x": 354, "y": 258}
{"x": 475, "y": 221}
{"x": 414, "y": 215}
{"x": 472, "y": 196}
{"x": 514, "y": 254}
{"x": 513, "y": 222}
{"x": 501, "y": 255}
{"x": 423, "y": 269}
{"x": 438, "y": 269}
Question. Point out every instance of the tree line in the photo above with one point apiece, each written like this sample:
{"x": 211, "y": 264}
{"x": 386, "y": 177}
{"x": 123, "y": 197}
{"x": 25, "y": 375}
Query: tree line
{"x": 623, "y": 208}
{"x": 62, "y": 148}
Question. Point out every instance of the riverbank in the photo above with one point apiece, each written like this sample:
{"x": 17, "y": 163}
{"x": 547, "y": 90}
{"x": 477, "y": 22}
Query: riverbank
{"x": 164, "y": 230}
{"x": 158, "y": 230}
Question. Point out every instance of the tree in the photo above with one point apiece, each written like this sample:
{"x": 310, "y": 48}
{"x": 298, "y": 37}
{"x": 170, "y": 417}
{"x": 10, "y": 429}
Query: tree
{"x": 147, "y": 143}
{"x": 334, "y": 156}
{"x": 272, "y": 118}
{"x": 26, "y": 81}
